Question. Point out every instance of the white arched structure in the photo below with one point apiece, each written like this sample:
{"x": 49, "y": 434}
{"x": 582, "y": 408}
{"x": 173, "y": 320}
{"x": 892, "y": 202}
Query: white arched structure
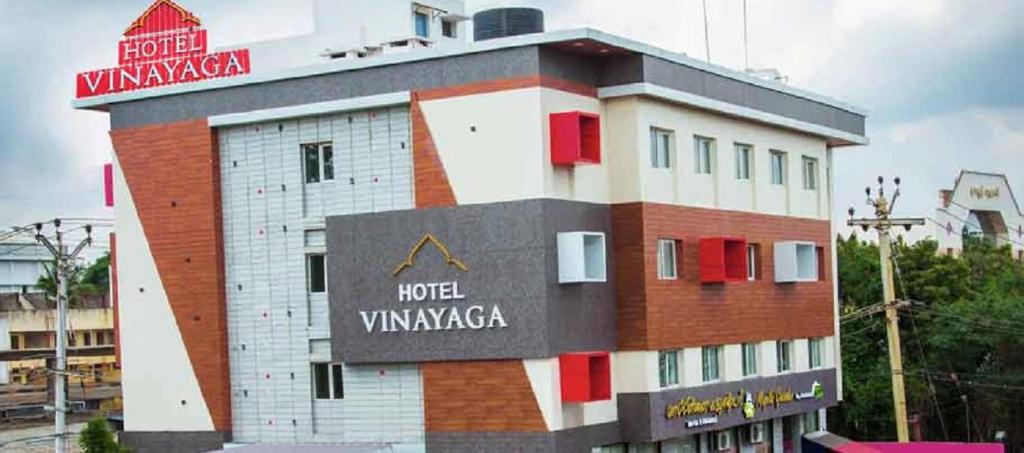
{"x": 981, "y": 203}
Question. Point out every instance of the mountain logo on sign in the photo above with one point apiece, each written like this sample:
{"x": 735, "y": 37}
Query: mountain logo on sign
{"x": 429, "y": 239}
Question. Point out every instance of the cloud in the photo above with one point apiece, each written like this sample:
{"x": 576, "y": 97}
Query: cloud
{"x": 940, "y": 77}
{"x": 929, "y": 153}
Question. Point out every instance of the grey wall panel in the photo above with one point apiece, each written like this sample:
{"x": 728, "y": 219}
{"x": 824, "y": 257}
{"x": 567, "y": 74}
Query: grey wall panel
{"x": 511, "y": 254}
{"x": 581, "y": 317}
{"x": 643, "y": 415}
{"x": 464, "y": 69}
{"x": 173, "y": 442}
{"x": 683, "y": 78}
{"x": 450, "y": 71}
{"x": 580, "y": 439}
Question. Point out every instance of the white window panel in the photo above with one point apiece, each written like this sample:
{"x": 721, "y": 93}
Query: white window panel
{"x": 581, "y": 257}
{"x": 795, "y": 261}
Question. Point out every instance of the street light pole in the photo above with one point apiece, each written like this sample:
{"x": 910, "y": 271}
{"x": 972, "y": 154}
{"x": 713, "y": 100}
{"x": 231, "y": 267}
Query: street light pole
{"x": 883, "y": 223}
{"x": 63, "y": 263}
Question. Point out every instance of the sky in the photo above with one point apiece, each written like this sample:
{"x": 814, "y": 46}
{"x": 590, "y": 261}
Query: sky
{"x": 941, "y": 79}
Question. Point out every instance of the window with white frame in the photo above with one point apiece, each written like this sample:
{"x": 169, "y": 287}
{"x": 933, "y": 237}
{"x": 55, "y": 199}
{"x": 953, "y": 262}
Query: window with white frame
{"x": 810, "y": 166}
{"x": 711, "y": 361}
{"x": 667, "y": 259}
{"x": 661, "y": 148}
{"x": 668, "y": 368}
{"x": 784, "y": 355}
{"x": 318, "y": 162}
{"x": 778, "y": 161}
{"x": 327, "y": 381}
{"x": 703, "y": 148}
{"x": 752, "y": 255}
{"x": 743, "y": 156}
{"x": 749, "y": 359}
{"x": 814, "y": 350}
{"x": 317, "y": 271}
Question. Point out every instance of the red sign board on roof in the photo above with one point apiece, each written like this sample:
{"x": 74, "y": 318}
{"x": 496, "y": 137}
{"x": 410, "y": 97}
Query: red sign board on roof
{"x": 164, "y": 46}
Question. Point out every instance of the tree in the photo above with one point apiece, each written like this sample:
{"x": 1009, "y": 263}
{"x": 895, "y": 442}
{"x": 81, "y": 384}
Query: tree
{"x": 961, "y": 341}
{"x": 83, "y": 281}
{"x": 97, "y": 437}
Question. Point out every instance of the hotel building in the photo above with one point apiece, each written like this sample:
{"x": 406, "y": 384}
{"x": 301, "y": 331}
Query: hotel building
{"x": 528, "y": 241}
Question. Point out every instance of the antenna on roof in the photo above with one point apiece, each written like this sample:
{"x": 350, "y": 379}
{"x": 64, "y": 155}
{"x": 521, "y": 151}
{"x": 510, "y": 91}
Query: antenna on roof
{"x": 746, "y": 63}
{"x": 707, "y": 42}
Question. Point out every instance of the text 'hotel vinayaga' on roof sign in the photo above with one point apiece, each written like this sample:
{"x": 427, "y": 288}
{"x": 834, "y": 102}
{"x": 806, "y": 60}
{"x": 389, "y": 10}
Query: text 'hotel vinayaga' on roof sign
{"x": 164, "y": 46}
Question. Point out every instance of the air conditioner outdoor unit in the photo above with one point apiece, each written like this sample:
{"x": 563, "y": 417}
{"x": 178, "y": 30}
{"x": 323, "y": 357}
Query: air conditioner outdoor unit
{"x": 757, "y": 433}
{"x": 724, "y": 440}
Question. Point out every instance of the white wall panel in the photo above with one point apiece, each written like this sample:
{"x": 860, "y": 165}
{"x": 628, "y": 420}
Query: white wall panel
{"x": 267, "y": 207}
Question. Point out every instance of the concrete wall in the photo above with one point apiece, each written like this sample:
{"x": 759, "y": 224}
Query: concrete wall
{"x": 157, "y": 376}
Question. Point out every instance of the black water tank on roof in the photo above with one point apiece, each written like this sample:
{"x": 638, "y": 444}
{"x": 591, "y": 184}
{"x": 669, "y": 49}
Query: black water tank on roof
{"x": 505, "y": 22}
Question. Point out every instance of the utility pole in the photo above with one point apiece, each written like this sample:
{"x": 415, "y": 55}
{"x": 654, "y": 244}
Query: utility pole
{"x": 63, "y": 263}
{"x": 883, "y": 223}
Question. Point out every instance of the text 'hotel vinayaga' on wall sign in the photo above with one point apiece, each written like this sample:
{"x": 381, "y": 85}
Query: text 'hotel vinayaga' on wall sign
{"x": 439, "y": 318}
{"x": 164, "y": 46}
{"x": 706, "y": 411}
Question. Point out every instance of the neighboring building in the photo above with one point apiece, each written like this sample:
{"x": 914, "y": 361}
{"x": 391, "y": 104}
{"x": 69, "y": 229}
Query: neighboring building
{"x": 980, "y": 204}
{"x": 22, "y": 262}
{"x": 557, "y": 241}
{"x": 29, "y": 321}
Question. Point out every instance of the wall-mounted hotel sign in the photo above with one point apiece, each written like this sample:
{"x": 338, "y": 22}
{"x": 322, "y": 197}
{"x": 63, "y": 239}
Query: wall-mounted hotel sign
{"x": 680, "y": 412}
{"x": 432, "y": 306}
{"x": 463, "y": 283}
{"x": 166, "y": 45}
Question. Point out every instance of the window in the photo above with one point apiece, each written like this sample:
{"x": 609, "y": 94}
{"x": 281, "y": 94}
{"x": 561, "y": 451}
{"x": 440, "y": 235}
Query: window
{"x": 814, "y": 352}
{"x": 575, "y": 138}
{"x": 749, "y": 359}
{"x": 585, "y": 376}
{"x": 581, "y": 257}
{"x": 87, "y": 337}
{"x": 317, "y": 273}
{"x": 327, "y": 382}
{"x": 796, "y": 261}
{"x": 422, "y": 24}
{"x": 668, "y": 368}
{"x": 783, "y": 355}
{"x": 448, "y": 29}
{"x": 702, "y": 147}
{"x": 810, "y": 166}
{"x": 752, "y": 254}
{"x": 723, "y": 259}
{"x": 667, "y": 259}
{"x": 711, "y": 358}
{"x": 318, "y": 160}
{"x": 15, "y": 344}
{"x": 661, "y": 146}
{"x": 778, "y": 167}
{"x": 743, "y": 153}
